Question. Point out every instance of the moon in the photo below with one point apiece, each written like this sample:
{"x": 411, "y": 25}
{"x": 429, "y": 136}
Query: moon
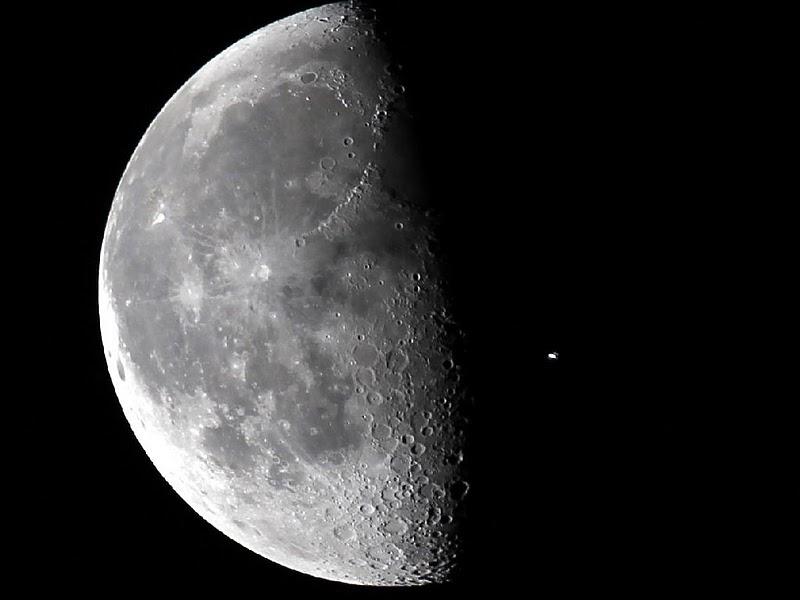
{"x": 274, "y": 313}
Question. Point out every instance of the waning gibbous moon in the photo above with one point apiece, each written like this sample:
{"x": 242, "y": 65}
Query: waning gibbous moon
{"x": 274, "y": 313}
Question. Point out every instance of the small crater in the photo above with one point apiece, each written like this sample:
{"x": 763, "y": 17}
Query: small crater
{"x": 308, "y": 77}
{"x": 327, "y": 163}
{"x": 389, "y": 445}
{"x": 395, "y": 527}
{"x": 240, "y": 524}
{"x": 397, "y": 361}
{"x": 433, "y": 491}
{"x": 459, "y": 489}
{"x": 262, "y": 272}
{"x": 400, "y": 464}
{"x": 366, "y": 355}
{"x": 344, "y": 532}
{"x": 348, "y": 141}
{"x": 365, "y": 376}
{"x": 381, "y": 431}
{"x": 120, "y": 370}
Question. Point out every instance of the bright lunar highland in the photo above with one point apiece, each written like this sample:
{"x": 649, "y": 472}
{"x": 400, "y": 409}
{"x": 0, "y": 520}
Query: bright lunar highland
{"x": 273, "y": 308}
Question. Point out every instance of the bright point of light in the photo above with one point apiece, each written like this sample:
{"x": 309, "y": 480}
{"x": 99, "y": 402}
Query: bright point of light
{"x": 553, "y": 355}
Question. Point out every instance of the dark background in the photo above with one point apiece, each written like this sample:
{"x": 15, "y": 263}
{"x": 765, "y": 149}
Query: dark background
{"x": 586, "y": 163}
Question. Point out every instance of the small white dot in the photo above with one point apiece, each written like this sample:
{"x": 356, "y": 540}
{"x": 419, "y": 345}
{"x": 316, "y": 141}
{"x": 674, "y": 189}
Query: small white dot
{"x": 552, "y": 356}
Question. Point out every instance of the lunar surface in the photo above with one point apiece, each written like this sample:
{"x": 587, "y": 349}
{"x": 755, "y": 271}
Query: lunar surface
{"x": 273, "y": 310}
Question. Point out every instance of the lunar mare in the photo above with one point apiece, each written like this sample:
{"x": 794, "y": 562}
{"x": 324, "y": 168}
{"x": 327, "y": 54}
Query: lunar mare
{"x": 273, "y": 312}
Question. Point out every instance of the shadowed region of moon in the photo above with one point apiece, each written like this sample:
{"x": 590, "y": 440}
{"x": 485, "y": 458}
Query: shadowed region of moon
{"x": 273, "y": 309}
